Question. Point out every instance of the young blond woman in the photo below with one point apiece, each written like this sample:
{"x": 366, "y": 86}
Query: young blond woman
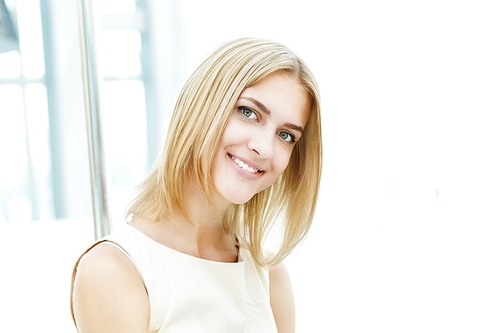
{"x": 240, "y": 169}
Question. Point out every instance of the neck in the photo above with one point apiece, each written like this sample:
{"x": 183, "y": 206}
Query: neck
{"x": 201, "y": 212}
{"x": 198, "y": 233}
{"x": 202, "y": 228}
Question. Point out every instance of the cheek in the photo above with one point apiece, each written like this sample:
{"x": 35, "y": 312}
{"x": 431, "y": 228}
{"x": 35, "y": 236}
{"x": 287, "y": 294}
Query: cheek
{"x": 281, "y": 160}
{"x": 232, "y": 132}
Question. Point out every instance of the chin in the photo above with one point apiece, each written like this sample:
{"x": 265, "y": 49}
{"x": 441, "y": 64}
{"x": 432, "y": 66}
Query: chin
{"x": 240, "y": 200}
{"x": 239, "y": 197}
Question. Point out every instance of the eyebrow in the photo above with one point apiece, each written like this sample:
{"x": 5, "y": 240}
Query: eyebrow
{"x": 295, "y": 127}
{"x": 268, "y": 112}
{"x": 259, "y": 104}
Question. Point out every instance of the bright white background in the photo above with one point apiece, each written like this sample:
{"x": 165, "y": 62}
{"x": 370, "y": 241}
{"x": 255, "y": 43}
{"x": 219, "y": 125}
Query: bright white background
{"x": 406, "y": 233}
{"x": 407, "y": 228}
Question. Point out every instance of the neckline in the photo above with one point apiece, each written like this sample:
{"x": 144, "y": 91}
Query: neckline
{"x": 185, "y": 255}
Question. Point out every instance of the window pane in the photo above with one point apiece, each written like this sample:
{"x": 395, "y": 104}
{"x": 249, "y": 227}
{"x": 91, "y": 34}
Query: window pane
{"x": 10, "y": 65}
{"x": 15, "y": 202}
{"x": 120, "y": 52}
{"x": 115, "y": 6}
{"x": 124, "y": 131}
{"x": 30, "y": 38}
{"x": 37, "y": 122}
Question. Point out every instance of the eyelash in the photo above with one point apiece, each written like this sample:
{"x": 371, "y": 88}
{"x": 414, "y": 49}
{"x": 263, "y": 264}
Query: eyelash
{"x": 243, "y": 109}
{"x": 292, "y": 137}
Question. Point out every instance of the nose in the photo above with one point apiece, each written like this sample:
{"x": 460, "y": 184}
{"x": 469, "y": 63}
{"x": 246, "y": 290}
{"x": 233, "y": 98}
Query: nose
{"x": 262, "y": 144}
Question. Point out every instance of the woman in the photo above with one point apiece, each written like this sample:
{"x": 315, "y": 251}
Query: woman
{"x": 240, "y": 169}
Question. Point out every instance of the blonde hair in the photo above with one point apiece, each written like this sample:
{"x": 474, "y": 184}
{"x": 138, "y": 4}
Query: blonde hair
{"x": 198, "y": 121}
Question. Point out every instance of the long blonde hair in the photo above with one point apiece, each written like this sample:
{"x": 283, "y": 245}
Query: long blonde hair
{"x": 198, "y": 121}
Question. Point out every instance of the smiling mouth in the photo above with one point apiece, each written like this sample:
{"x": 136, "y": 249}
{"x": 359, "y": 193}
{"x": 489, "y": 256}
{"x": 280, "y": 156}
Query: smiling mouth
{"x": 243, "y": 165}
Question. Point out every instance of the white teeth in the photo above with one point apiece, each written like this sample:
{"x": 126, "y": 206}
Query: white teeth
{"x": 243, "y": 165}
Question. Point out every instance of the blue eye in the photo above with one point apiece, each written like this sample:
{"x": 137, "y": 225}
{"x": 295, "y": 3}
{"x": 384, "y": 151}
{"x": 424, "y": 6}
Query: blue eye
{"x": 287, "y": 137}
{"x": 247, "y": 112}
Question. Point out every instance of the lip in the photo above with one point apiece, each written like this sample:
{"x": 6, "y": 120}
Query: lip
{"x": 244, "y": 173}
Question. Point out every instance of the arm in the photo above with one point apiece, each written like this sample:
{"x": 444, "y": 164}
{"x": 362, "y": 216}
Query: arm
{"x": 109, "y": 295}
{"x": 282, "y": 301}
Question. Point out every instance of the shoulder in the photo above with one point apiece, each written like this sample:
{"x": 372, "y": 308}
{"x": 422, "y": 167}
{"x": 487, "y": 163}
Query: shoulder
{"x": 108, "y": 293}
{"x": 282, "y": 301}
{"x": 104, "y": 259}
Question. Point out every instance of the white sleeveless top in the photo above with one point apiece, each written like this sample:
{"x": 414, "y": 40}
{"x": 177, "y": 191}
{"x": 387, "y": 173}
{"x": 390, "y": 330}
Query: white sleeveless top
{"x": 189, "y": 294}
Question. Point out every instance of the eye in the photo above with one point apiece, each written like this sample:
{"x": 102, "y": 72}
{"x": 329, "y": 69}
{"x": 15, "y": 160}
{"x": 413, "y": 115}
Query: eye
{"x": 248, "y": 112}
{"x": 287, "y": 137}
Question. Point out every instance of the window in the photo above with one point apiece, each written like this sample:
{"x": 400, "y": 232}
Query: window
{"x": 36, "y": 113}
{"x": 123, "y": 96}
{"x": 25, "y": 176}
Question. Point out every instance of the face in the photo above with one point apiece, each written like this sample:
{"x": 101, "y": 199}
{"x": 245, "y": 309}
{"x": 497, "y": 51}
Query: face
{"x": 255, "y": 148}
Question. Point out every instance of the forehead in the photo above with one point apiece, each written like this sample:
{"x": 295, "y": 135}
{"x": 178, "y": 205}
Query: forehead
{"x": 283, "y": 95}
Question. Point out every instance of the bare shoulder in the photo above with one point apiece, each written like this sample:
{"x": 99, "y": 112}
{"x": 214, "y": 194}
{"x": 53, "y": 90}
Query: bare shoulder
{"x": 282, "y": 301}
{"x": 108, "y": 293}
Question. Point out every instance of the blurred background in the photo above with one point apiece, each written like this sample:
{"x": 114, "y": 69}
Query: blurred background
{"x": 406, "y": 235}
